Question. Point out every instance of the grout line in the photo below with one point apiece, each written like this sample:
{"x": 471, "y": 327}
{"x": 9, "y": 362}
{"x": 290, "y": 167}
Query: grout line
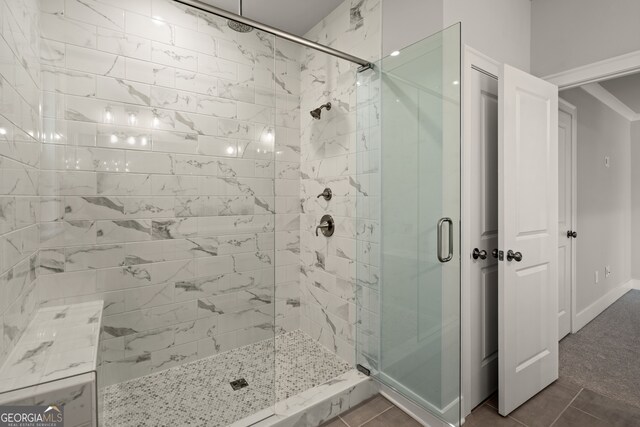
{"x": 515, "y": 419}
{"x": 376, "y": 416}
{"x": 488, "y": 405}
{"x": 567, "y": 407}
{"x": 585, "y": 412}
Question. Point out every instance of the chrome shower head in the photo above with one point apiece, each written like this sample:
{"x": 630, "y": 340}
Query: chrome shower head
{"x": 317, "y": 113}
{"x": 239, "y": 26}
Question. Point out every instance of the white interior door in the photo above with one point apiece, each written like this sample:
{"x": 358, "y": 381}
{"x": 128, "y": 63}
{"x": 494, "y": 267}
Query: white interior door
{"x": 483, "y": 228}
{"x": 566, "y": 223}
{"x": 527, "y": 228}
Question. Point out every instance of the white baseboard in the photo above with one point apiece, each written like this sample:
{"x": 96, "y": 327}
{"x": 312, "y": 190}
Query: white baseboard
{"x": 635, "y": 284}
{"x": 591, "y": 312}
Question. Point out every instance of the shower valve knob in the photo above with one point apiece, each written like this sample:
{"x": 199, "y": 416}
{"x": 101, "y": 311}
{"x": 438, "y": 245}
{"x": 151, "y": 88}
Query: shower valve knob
{"x": 326, "y": 225}
{"x": 326, "y": 194}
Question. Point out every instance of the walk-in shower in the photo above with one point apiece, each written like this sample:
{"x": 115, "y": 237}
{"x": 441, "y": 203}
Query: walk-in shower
{"x": 230, "y": 257}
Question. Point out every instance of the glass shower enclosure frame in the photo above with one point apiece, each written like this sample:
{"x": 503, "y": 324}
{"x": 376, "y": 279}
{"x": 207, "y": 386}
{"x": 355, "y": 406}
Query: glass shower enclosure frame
{"x": 408, "y": 216}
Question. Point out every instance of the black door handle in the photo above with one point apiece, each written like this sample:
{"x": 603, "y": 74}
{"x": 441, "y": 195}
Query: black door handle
{"x": 494, "y": 253}
{"x": 477, "y": 253}
{"x": 514, "y": 256}
{"x": 571, "y": 234}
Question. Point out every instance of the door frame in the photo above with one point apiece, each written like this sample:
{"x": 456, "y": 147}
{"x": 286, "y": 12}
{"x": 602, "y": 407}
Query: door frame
{"x": 617, "y": 66}
{"x": 609, "y": 68}
{"x": 472, "y": 60}
{"x": 571, "y": 109}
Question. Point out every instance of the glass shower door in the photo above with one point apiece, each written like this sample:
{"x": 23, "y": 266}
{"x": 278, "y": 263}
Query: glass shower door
{"x": 408, "y": 209}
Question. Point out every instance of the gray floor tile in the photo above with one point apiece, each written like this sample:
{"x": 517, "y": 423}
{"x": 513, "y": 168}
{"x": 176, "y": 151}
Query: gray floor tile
{"x": 614, "y": 412}
{"x": 573, "y": 417}
{"x": 486, "y": 416}
{"x": 546, "y": 406}
{"x": 393, "y": 417}
{"x": 336, "y": 422}
{"x": 366, "y": 411}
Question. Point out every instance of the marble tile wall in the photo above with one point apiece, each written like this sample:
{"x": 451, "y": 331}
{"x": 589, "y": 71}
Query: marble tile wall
{"x": 20, "y": 129}
{"x": 169, "y": 179}
{"x": 330, "y": 151}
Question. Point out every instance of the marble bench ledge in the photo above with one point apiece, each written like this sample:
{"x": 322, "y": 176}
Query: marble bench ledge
{"x": 316, "y": 405}
{"x": 59, "y": 342}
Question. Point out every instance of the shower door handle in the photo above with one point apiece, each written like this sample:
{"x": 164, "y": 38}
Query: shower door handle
{"x": 449, "y": 256}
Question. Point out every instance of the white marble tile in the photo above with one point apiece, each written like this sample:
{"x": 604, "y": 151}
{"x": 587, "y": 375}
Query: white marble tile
{"x": 196, "y": 123}
{"x": 56, "y": 27}
{"x": 123, "y": 184}
{"x": 173, "y": 99}
{"x": 174, "y": 56}
{"x": 95, "y": 62}
{"x": 187, "y": 37}
{"x": 216, "y": 67}
{"x": 125, "y": 44}
{"x": 93, "y": 257}
{"x": 216, "y": 107}
{"x": 123, "y": 91}
{"x": 148, "y": 28}
{"x": 150, "y": 73}
{"x": 196, "y": 82}
{"x": 174, "y": 13}
{"x": 123, "y": 231}
{"x": 69, "y": 82}
{"x": 93, "y": 12}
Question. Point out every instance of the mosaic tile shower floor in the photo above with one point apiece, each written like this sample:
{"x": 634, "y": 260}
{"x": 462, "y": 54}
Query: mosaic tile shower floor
{"x": 199, "y": 393}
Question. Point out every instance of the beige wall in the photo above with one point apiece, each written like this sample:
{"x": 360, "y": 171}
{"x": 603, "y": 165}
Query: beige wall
{"x": 569, "y": 33}
{"x": 497, "y": 28}
{"x": 635, "y": 200}
{"x": 604, "y": 197}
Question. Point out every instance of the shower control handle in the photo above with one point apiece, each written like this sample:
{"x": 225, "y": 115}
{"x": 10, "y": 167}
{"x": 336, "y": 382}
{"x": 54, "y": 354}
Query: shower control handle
{"x": 477, "y": 253}
{"x": 326, "y": 194}
{"x": 326, "y": 225}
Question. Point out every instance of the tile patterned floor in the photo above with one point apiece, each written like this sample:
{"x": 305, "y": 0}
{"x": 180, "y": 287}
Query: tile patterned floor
{"x": 375, "y": 412}
{"x": 562, "y": 404}
{"x": 199, "y": 393}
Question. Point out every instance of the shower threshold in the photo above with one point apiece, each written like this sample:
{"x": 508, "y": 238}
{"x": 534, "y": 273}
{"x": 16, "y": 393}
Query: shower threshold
{"x": 200, "y": 393}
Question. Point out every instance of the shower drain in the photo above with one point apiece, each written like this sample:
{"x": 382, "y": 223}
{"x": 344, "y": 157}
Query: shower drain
{"x": 239, "y": 383}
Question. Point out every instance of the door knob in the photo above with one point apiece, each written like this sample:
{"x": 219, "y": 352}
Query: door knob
{"x": 326, "y": 194}
{"x": 494, "y": 253}
{"x": 511, "y": 256}
{"x": 477, "y": 253}
{"x": 571, "y": 234}
{"x": 326, "y": 225}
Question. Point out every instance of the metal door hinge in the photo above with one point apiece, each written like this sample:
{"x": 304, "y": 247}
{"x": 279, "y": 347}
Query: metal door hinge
{"x": 362, "y": 369}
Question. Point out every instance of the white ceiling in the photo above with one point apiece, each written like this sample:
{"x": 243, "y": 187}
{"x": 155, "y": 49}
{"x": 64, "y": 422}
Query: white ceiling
{"x": 294, "y": 16}
{"x": 626, "y": 89}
